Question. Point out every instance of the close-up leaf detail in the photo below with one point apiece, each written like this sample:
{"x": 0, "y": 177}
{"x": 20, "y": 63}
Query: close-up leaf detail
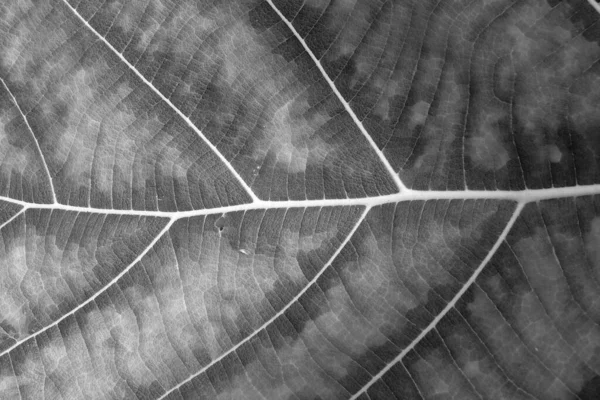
{"x": 314, "y": 199}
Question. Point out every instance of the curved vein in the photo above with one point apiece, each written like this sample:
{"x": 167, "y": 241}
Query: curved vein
{"x": 98, "y": 293}
{"x": 449, "y": 306}
{"x": 278, "y": 314}
{"x": 349, "y": 110}
{"x": 37, "y": 144}
{"x": 166, "y": 100}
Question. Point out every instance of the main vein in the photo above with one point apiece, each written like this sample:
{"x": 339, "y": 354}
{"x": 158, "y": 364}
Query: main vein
{"x": 525, "y": 196}
{"x": 449, "y": 306}
{"x": 349, "y": 109}
{"x": 166, "y": 100}
{"x": 594, "y": 4}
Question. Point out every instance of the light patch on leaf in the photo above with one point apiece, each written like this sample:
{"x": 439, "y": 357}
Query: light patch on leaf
{"x": 14, "y": 312}
{"x": 441, "y": 379}
{"x": 552, "y": 55}
{"x": 389, "y": 90}
{"x": 9, "y": 387}
{"x": 113, "y": 338}
{"x": 164, "y": 24}
{"x": 20, "y": 48}
{"x": 592, "y": 245}
{"x": 544, "y": 340}
{"x": 418, "y": 114}
{"x": 585, "y": 99}
{"x": 93, "y": 122}
{"x": 546, "y": 275}
{"x": 323, "y": 353}
{"x": 485, "y": 147}
{"x": 13, "y": 158}
{"x": 292, "y": 135}
{"x": 36, "y": 278}
{"x": 436, "y": 128}
{"x": 31, "y": 375}
{"x": 504, "y": 341}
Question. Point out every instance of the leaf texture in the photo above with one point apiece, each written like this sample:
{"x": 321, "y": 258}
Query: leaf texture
{"x": 281, "y": 199}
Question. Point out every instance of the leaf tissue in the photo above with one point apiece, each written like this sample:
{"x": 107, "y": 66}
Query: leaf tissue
{"x": 285, "y": 199}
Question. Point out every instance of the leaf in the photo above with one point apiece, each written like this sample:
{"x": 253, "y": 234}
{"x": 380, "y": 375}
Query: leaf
{"x": 299, "y": 199}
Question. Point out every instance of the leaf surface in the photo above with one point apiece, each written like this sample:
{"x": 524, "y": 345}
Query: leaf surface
{"x": 299, "y": 199}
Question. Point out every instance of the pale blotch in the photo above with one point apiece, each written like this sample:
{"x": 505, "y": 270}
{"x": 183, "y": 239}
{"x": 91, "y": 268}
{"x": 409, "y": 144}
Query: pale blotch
{"x": 9, "y": 387}
{"x": 156, "y": 315}
{"x": 418, "y": 114}
{"x": 320, "y": 356}
{"x": 553, "y": 57}
{"x": 74, "y": 146}
{"x": 240, "y": 47}
{"x": 485, "y": 148}
{"x": 553, "y": 153}
{"x": 320, "y": 4}
{"x": 592, "y": 245}
{"x": 32, "y": 376}
{"x": 110, "y": 352}
{"x": 377, "y": 281}
{"x": 103, "y": 144}
{"x": 546, "y": 342}
{"x": 13, "y": 158}
{"x": 479, "y": 367}
{"x": 389, "y": 89}
{"x": 166, "y": 24}
{"x": 14, "y": 307}
{"x": 548, "y": 313}
{"x": 292, "y": 135}
{"x": 436, "y": 126}
{"x": 56, "y": 361}
{"x": 37, "y": 276}
{"x": 27, "y": 41}
{"x": 284, "y": 262}
{"x": 361, "y": 309}
{"x": 439, "y": 378}
{"x": 118, "y": 143}
{"x": 584, "y": 113}
{"x": 507, "y": 346}
{"x": 532, "y": 36}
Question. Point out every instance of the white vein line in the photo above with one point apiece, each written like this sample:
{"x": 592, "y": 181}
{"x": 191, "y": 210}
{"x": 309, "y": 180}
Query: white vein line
{"x": 8, "y": 221}
{"x": 281, "y": 312}
{"x": 166, "y": 100}
{"x": 98, "y": 293}
{"x": 523, "y": 196}
{"x": 594, "y": 4}
{"x": 358, "y": 122}
{"x": 37, "y": 144}
{"x": 450, "y": 305}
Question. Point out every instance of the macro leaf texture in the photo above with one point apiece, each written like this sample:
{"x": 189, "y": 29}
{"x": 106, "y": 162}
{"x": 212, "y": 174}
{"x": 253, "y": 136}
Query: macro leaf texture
{"x": 317, "y": 199}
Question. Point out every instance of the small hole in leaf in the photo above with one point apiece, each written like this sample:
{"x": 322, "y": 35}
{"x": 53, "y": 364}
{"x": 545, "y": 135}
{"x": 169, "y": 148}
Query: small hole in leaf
{"x": 220, "y": 224}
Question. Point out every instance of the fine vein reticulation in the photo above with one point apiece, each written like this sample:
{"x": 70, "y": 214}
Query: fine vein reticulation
{"x": 300, "y": 199}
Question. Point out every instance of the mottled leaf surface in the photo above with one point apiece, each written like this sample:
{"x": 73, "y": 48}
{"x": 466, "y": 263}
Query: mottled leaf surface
{"x": 281, "y": 199}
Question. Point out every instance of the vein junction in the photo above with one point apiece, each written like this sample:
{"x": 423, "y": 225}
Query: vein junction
{"x": 522, "y": 196}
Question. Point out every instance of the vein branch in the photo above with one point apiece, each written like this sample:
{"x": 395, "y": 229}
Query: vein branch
{"x": 8, "y": 221}
{"x": 594, "y": 4}
{"x": 281, "y": 312}
{"x": 349, "y": 109}
{"x": 523, "y": 196}
{"x": 166, "y": 100}
{"x": 449, "y": 306}
{"x": 37, "y": 144}
{"x": 102, "y": 290}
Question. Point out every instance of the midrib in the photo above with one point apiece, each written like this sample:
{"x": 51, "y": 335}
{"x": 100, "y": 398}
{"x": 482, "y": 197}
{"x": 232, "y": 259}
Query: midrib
{"x": 523, "y": 196}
